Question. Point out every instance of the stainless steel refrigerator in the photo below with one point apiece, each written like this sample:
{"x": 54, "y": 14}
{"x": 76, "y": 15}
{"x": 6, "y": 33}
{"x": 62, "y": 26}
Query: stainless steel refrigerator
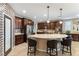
{"x": 28, "y": 31}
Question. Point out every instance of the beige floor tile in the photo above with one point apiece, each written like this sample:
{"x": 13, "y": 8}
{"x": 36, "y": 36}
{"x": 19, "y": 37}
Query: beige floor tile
{"x": 21, "y": 50}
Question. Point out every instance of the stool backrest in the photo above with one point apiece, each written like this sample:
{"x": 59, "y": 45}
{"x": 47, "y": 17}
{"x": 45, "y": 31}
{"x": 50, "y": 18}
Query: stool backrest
{"x": 52, "y": 43}
{"x": 31, "y": 42}
{"x": 67, "y": 41}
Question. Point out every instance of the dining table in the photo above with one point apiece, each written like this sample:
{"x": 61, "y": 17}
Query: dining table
{"x": 42, "y": 40}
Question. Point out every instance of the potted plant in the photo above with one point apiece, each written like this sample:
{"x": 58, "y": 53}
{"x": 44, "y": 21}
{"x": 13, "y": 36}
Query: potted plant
{"x": 67, "y": 32}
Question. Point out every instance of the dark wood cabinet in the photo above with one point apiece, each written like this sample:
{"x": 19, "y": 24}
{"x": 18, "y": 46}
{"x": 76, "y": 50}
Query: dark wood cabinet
{"x": 28, "y": 22}
{"x": 48, "y": 25}
{"x": 19, "y": 39}
{"x": 18, "y": 22}
{"x": 20, "y": 25}
{"x": 41, "y": 25}
{"x": 75, "y": 37}
{"x": 51, "y": 26}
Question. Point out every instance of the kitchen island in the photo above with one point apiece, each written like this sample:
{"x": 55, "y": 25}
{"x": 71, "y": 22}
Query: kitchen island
{"x": 42, "y": 39}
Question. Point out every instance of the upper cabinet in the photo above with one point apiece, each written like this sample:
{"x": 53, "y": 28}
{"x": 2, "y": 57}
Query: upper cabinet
{"x": 51, "y": 26}
{"x": 21, "y": 22}
{"x": 28, "y": 22}
{"x": 18, "y": 22}
{"x": 41, "y": 25}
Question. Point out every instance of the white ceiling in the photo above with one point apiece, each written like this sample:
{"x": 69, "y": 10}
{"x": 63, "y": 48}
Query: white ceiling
{"x": 39, "y": 9}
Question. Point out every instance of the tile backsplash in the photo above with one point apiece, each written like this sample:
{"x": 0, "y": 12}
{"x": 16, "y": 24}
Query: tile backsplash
{"x": 17, "y": 30}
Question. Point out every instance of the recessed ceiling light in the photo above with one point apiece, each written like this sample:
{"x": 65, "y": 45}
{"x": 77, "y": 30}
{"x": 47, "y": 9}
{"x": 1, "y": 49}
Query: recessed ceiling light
{"x": 45, "y": 15}
{"x": 24, "y": 11}
{"x": 78, "y": 15}
{"x": 34, "y": 17}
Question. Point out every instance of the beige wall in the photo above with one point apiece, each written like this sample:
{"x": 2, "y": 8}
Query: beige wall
{"x": 74, "y": 21}
{"x": 6, "y": 9}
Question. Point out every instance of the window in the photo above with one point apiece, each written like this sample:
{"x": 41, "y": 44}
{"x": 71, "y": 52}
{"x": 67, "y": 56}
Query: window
{"x": 68, "y": 25}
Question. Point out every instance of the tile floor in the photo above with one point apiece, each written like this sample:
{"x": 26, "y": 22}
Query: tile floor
{"x": 21, "y": 50}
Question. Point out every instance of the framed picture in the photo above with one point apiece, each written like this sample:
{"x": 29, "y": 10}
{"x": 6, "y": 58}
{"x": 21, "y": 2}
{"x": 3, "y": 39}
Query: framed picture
{"x": 7, "y": 35}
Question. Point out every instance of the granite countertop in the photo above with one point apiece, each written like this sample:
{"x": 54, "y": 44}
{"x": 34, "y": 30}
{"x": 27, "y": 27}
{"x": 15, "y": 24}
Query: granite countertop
{"x": 48, "y": 36}
{"x": 19, "y": 33}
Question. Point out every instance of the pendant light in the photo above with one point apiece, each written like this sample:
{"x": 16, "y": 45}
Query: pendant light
{"x": 48, "y": 14}
{"x": 60, "y": 15}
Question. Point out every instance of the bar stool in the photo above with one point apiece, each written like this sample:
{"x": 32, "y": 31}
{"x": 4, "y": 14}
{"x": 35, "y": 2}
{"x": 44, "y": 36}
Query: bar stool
{"x": 32, "y": 46}
{"x": 51, "y": 45}
{"x": 66, "y": 44}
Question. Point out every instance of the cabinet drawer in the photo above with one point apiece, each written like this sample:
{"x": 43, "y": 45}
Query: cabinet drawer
{"x": 19, "y": 39}
{"x": 75, "y": 37}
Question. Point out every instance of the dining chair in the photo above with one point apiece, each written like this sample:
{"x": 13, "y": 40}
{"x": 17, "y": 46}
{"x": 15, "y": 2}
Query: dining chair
{"x": 32, "y": 46}
{"x": 66, "y": 44}
{"x": 52, "y": 46}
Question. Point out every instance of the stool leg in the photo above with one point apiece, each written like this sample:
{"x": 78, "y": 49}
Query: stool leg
{"x": 50, "y": 51}
{"x": 70, "y": 51}
{"x": 63, "y": 50}
{"x": 28, "y": 50}
{"x": 56, "y": 52}
{"x": 47, "y": 49}
{"x": 34, "y": 50}
{"x": 67, "y": 48}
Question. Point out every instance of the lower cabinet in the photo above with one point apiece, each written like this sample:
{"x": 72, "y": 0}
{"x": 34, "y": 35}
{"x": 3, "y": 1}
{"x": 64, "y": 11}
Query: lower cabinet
{"x": 19, "y": 39}
{"x": 75, "y": 37}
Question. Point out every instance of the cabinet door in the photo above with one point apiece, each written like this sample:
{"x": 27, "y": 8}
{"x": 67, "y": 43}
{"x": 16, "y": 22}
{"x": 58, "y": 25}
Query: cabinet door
{"x": 75, "y": 37}
{"x": 41, "y": 25}
{"x": 48, "y": 25}
{"x": 52, "y": 25}
{"x": 28, "y": 22}
{"x": 18, "y": 22}
{"x": 19, "y": 39}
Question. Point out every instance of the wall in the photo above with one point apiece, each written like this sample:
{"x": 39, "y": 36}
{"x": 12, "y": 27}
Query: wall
{"x": 1, "y": 34}
{"x": 72, "y": 25}
{"x": 75, "y": 25}
{"x": 67, "y": 25}
{"x": 6, "y": 9}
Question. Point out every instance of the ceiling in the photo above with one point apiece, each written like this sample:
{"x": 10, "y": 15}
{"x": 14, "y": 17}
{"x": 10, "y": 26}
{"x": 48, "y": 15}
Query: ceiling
{"x": 38, "y": 11}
